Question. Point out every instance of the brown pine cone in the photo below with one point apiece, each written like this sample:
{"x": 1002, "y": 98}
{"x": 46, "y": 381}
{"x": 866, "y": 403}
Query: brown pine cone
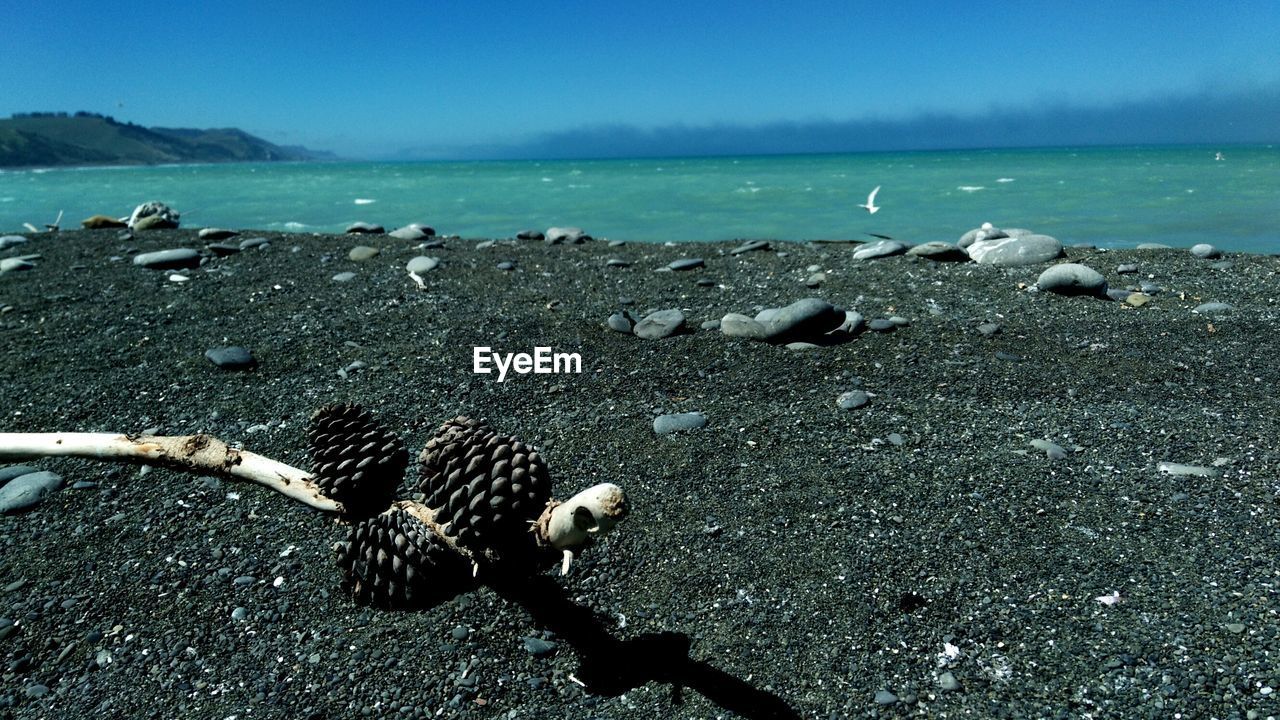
{"x": 354, "y": 460}
{"x": 394, "y": 561}
{"x": 485, "y": 489}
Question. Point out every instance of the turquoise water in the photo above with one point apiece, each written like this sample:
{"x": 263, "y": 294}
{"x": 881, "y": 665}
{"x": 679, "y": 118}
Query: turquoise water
{"x": 1112, "y": 197}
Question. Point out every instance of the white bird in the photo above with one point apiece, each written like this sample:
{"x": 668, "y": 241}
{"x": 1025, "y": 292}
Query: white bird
{"x": 870, "y": 204}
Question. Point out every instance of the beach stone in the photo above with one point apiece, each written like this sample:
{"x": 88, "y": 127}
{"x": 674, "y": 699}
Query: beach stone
{"x": 1015, "y": 252}
{"x": 413, "y": 232}
{"x": 565, "y": 236}
{"x": 9, "y": 241}
{"x": 101, "y": 222}
{"x": 530, "y": 235}
{"x": 1072, "y": 279}
{"x": 485, "y": 244}
{"x": 1213, "y": 308}
{"x": 26, "y": 491}
{"x": 506, "y": 266}
{"x": 986, "y": 232}
{"x": 1053, "y": 450}
{"x": 686, "y": 264}
{"x": 434, "y": 243}
{"x": 15, "y": 264}
{"x": 947, "y": 682}
{"x": 1153, "y": 246}
{"x": 254, "y": 242}
{"x": 1137, "y": 299}
{"x": 884, "y": 697}
{"x": 852, "y": 399}
{"x": 616, "y": 262}
{"x": 168, "y": 259}
{"x": 678, "y": 422}
{"x": 10, "y": 472}
{"x": 852, "y": 323}
{"x": 710, "y": 325}
{"x": 1179, "y": 469}
{"x": 1127, "y": 269}
{"x": 939, "y": 252}
{"x": 801, "y": 320}
{"x": 361, "y": 253}
{"x": 422, "y": 264}
{"x": 233, "y": 357}
{"x": 364, "y": 228}
{"x": 165, "y": 217}
{"x": 815, "y": 280}
{"x": 882, "y": 325}
{"x": 750, "y": 247}
{"x": 660, "y": 324}
{"x": 1205, "y": 251}
{"x": 989, "y": 329}
{"x": 736, "y": 325}
{"x": 621, "y": 322}
{"x": 154, "y": 222}
{"x": 344, "y": 277}
{"x": 879, "y": 249}
{"x": 216, "y": 234}
{"x": 617, "y": 243}
{"x": 538, "y": 647}
{"x": 222, "y": 249}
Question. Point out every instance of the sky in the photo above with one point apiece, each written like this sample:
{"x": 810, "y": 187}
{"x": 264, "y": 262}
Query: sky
{"x": 452, "y": 78}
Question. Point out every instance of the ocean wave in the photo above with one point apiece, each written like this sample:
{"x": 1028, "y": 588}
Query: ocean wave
{"x": 365, "y": 201}
{"x": 1004, "y": 179}
{"x": 7, "y": 199}
{"x": 971, "y": 188}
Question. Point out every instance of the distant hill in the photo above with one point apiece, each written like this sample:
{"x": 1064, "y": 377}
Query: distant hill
{"x": 51, "y": 139}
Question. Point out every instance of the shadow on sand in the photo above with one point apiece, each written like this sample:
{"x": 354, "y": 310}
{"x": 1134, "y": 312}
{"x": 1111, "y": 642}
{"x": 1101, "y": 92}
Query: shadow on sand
{"x": 609, "y": 666}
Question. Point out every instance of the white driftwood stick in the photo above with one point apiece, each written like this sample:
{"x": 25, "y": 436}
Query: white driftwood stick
{"x": 194, "y": 453}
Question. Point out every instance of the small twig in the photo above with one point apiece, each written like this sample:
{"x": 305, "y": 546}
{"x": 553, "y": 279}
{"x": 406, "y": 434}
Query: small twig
{"x": 194, "y": 453}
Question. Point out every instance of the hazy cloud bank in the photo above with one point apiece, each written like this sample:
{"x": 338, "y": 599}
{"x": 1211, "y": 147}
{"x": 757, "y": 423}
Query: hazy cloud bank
{"x": 1250, "y": 116}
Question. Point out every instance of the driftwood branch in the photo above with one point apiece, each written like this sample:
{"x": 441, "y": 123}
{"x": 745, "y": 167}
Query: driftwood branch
{"x": 564, "y": 526}
{"x": 571, "y": 523}
{"x": 201, "y": 454}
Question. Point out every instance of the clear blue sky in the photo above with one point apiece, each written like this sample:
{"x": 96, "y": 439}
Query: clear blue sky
{"x": 442, "y": 77}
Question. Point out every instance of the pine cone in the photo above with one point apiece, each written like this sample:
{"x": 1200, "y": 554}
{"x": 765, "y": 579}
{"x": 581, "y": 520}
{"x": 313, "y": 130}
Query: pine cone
{"x": 486, "y": 490}
{"x": 394, "y": 561}
{"x": 354, "y": 460}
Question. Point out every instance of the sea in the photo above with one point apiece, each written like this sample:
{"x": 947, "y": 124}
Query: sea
{"x": 1105, "y": 196}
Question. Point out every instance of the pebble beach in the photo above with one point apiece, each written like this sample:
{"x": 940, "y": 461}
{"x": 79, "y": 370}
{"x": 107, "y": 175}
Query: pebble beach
{"x": 866, "y": 481}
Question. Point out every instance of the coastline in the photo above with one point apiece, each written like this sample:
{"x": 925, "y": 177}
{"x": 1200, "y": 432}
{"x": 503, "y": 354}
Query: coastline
{"x": 1113, "y": 198}
{"x": 817, "y": 561}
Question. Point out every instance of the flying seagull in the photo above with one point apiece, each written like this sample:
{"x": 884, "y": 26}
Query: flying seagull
{"x": 870, "y": 204}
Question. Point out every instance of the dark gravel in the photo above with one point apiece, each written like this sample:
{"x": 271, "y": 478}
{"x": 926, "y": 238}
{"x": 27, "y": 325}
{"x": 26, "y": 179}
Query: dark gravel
{"x": 914, "y": 557}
